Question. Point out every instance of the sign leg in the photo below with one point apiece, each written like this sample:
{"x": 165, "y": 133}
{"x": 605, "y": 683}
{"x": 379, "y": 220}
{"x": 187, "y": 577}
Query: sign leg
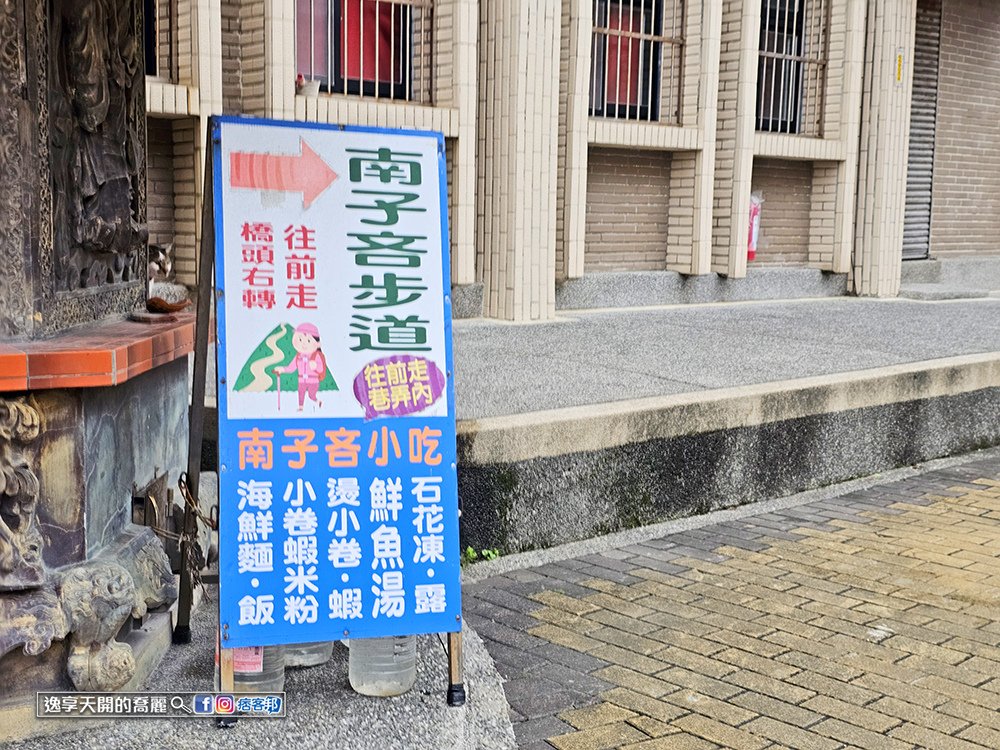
{"x": 196, "y": 418}
{"x": 227, "y": 683}
{"x": 456, "y": 685}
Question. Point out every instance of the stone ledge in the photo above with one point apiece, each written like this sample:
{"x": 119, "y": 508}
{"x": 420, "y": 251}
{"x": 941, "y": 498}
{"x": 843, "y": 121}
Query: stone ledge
{"x": 567, "y": 430}
{"x": 653, "y": 288}
{"x": 106, "y": 353}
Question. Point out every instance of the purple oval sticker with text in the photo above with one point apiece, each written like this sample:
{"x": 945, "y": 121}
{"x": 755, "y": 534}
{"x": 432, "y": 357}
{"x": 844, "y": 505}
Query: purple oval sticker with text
{"x": 398, "y": 385}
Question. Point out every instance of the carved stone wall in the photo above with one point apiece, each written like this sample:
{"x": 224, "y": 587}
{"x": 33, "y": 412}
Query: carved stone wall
{"x": 20, "y": 539}
{"x": 143, "y": 424}
{"x": 16, "y": 121}
{"x": 72, "y": 159}
{"x": 74, "y": 571}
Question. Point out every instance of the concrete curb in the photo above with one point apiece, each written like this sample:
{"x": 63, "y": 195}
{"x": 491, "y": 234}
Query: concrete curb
{"x": 521, "y": 560}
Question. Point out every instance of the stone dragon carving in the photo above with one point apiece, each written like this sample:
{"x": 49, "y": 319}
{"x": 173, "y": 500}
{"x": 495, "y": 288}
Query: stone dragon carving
{"x": 88, "y": 602}
{"x": 97, "y": 598}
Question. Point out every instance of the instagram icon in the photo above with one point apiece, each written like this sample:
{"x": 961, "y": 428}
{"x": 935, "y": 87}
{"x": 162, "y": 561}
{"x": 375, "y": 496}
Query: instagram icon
{"x": 225, "y": 704}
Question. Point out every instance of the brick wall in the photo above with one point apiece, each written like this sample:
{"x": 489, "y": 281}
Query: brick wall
{"x": 837, "y": 71}
{"x": 160, "y": 180}
{"x": 185, "y": 42}
{"x": 232, "y": 94}
{"x": 185, "y": 135}
{"x": 966, "y": 207}
{"x": 681, "y": 212}
{"x": 442, "y": 56}
{"x": 627, "y": 210}
{"x": 252, "y": 55}
{"x": 823, "y": 215}
{"x": 725, "y": 165}
{"x": 165, "y": 44}
{"x": 450, "y": 147}
{"x": 566, "y": 48}
{"x": 784, "y": 224}
{"x": 734, "y": 138}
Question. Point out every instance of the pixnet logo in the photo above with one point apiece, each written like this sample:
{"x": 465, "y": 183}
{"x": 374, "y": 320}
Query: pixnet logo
{"x": 225, "y": 704}
{"x": 203, "y": 703}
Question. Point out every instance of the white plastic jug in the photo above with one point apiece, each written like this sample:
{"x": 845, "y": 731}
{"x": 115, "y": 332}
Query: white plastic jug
{"x": 259, "y": 669}
{"x": 383, "y": 666}
{"x": 308, "y": 654}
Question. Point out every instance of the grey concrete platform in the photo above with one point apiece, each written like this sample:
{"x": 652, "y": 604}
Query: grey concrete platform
{"x": 322, "y": 710}
{"x": 594, "y": 357}
{"x": 603, "y": 421}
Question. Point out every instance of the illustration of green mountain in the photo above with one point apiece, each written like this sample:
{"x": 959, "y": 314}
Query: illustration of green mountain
{"x": 275, "y": 351}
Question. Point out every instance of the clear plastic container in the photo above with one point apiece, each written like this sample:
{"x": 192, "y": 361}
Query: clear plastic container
{"x": 383, "y": 666}
{"x": 308, "y": 654}
{"x": 256, "y": 672}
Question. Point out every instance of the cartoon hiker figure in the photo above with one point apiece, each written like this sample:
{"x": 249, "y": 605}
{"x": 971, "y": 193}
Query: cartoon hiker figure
{"x": 309, "y": 361}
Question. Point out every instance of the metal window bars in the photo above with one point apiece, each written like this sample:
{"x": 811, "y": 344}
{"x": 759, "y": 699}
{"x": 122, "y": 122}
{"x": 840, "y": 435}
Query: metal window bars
{"x": 794, "y": 55}
{"x": 160, "y": 38}
{"x": 372, "y": 48}
{"x": 637, "y": 55}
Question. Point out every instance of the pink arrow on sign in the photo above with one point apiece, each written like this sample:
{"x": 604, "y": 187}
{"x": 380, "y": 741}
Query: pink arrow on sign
{"x": 304, "y": 173}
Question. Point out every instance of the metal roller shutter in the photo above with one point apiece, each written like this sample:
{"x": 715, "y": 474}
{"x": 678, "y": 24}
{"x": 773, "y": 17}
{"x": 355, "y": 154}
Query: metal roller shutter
{"x": 923, "y": 124}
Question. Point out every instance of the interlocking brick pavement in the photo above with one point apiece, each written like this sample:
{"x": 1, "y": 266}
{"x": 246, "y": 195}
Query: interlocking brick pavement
{"x": 869, "y": 620}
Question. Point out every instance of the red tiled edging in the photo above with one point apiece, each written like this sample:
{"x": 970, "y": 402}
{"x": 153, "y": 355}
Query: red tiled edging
{"x": 107, "y": 353}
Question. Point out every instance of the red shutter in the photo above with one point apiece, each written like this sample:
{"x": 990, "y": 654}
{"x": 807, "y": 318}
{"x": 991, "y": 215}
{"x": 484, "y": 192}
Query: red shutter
{"x": 382, "y": 29}
{"x": 310, "y": 39}
{"x": 623, "y": 78}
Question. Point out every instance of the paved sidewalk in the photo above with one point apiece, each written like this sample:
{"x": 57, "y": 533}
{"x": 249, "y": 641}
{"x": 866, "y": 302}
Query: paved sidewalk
{"x": 868, "y": 620}
{"x": 591, "y": 357}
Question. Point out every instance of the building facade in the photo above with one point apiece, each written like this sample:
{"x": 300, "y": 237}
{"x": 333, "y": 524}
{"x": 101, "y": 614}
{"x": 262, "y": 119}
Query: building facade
{"x": 594, "y": 136}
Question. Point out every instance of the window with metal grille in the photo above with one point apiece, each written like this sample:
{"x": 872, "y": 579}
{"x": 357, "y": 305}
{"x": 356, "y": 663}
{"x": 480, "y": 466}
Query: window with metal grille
{"x": 636, "y": 55}
{"x": 791, "y": 77}
{"x": 159, "y": 42}
{"x": 376, "y": 48}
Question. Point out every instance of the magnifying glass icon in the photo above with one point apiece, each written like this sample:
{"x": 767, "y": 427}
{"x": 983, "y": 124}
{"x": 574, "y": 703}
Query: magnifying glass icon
{"x": 179, "y": 704}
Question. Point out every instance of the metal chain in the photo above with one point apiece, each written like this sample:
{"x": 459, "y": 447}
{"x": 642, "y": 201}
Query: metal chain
{"x": 209, "y": 520}
{"x": 186, "y": 541}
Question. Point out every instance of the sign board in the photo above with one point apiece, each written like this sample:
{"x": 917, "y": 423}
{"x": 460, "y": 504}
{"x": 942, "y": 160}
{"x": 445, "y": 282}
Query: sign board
{"x": 338, "y": 499}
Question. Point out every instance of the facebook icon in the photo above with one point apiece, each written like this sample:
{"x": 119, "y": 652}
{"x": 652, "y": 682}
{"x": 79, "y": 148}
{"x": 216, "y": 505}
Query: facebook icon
{"x": 204, "y": 703}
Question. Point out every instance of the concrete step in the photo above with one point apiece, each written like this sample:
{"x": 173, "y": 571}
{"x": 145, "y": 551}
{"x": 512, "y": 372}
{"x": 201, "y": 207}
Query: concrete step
{"x": 941, "y": 292}
{"x": 653, "y": 288}
{"x": 980, "y": 272}
{"x": 921, "y": 271}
